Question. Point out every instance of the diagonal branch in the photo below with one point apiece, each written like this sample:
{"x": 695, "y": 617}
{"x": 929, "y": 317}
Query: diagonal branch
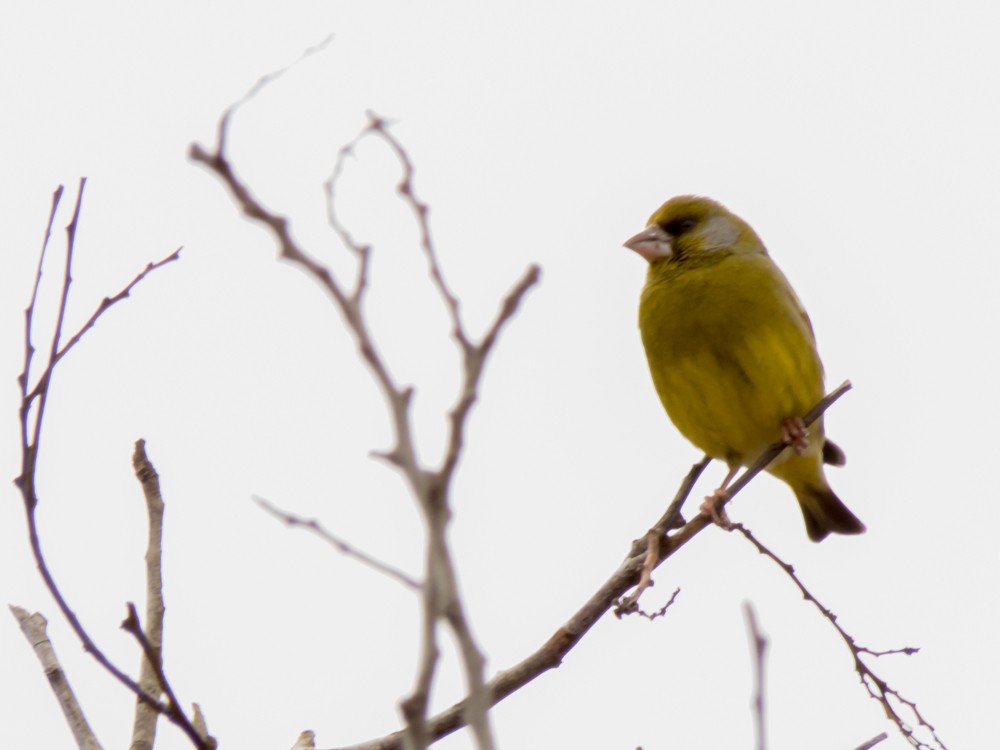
{"x": 313, "y": 524}
{"x": 34, "y": 628}
{"x": 877, "y": 688}
{"x": 608, "y": 597}
{"x": 172, "y": 709}
{"x": 378, "y": 126}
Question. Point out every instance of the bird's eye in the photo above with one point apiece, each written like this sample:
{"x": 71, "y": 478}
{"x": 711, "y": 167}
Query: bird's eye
{"x": 679, "y": 226}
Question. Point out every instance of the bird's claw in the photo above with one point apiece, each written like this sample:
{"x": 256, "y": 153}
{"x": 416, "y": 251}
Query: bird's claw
{"x": 713, "y": 508}
{"x": 795, "y": 434}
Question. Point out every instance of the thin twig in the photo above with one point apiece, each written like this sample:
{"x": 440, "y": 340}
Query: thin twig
{"x": 877, "y": 688}
{"x": 658, "y": 613}
{"x": 261, "y": 83}
{"x": 173, "y": 711}
{"x": 109, "y": 301}
{"x": 758, "y": 651}
{"x": 377, "y": 126}
{"x": 672, "y": 518}
{"x": 312, "y": 524}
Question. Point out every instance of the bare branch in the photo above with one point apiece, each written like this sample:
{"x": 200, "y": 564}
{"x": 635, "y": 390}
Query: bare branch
{"x": 430, "y": 488}
{"x": 109, "y": 301}
{"x": 758, "y": 650}
{"x": 144, "y": 723}
{"x": 29, "y": 348}
{"x": 32, "y": 412}
{"x": 672, "y": 518}
{"x": 260, "y": 84}
{"x": 872, "y": 742}
{"x": 877, "y": 687}
{"x": 650, "y": 615}
{"x": 474, "y": 359}
{"x": 199, "y": 723}
{"x": 172, "y": 709}
{"x": 609, "y": 595}
{"x": 34, "y": 628}
{"x": 378, "y": 126}
{"x": 312, "y": 524}
{"x": 361, "y": 251}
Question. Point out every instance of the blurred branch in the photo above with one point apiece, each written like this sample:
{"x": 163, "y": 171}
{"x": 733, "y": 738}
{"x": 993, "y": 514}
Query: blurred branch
{"x": 260, "y": 84}
{"x": 758, "y": 650}
{"x": 312, "y": 524}
{"x": 873, "y": 742}
{"x": 32, "y": 413}
{"x": 34, "y": 628}
{"x": 430, "y": 487}
{"x": 877, "y": 687}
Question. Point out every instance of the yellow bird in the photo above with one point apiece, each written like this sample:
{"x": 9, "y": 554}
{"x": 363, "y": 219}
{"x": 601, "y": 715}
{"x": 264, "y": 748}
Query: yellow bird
{"x": 732, "y": 352}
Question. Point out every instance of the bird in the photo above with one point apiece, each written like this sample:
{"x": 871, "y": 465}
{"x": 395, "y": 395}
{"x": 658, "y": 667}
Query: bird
{"x": 732, "y": 354}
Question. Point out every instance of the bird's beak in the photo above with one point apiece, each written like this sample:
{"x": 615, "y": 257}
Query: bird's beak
{"x": 651, "y": 243}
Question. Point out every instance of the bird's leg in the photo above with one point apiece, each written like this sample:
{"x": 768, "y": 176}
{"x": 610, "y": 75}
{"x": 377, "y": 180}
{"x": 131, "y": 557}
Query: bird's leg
{"x": 795, "y": 433}
{"x": 712, "y": 507}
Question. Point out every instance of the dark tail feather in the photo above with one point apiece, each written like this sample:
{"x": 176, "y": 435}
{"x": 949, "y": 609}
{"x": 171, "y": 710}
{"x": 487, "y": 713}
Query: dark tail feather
{"x": 832, "y": 454}
{"x": 825, "y": 513}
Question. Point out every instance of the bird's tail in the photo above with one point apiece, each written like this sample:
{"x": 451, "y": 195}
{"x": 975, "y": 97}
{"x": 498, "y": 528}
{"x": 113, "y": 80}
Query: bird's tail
{"x": 824, "y": 512}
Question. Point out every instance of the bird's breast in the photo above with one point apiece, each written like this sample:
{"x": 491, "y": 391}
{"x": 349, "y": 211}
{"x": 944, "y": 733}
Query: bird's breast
{"x": 729, "y": 361}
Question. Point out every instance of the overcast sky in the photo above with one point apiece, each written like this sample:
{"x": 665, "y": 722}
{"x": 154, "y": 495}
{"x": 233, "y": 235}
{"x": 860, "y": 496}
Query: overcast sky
{"x": 859, "y": 139}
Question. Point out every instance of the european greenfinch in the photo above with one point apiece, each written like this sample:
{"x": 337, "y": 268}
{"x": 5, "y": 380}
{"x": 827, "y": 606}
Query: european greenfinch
{"x": 732, "y": 353}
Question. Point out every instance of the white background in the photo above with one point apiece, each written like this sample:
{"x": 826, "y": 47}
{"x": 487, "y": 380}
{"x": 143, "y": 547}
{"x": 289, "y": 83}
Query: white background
{"x": 859, "y": 139}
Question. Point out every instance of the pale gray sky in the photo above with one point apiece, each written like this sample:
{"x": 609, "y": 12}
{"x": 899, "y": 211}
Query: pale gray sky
{"x": 859, "y": 139}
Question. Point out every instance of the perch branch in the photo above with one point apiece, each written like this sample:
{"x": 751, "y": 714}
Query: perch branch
{"x": 608, "y": 597}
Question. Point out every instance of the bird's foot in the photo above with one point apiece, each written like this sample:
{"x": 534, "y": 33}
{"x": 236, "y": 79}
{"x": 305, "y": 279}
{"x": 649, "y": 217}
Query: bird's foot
{"x": 713, "y": 508}
{"x": 795, "y": 434}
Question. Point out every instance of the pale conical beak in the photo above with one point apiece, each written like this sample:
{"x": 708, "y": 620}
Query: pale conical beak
{"x": 651, "y": 243}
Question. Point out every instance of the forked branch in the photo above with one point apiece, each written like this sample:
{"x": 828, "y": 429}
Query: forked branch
{"x": 429, "y": 486}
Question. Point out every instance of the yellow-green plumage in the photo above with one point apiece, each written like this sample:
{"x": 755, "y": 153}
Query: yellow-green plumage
{"x": 731, "y": 350}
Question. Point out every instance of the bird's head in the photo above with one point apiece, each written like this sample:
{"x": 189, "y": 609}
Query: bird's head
{"x": 690, "y": 226}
